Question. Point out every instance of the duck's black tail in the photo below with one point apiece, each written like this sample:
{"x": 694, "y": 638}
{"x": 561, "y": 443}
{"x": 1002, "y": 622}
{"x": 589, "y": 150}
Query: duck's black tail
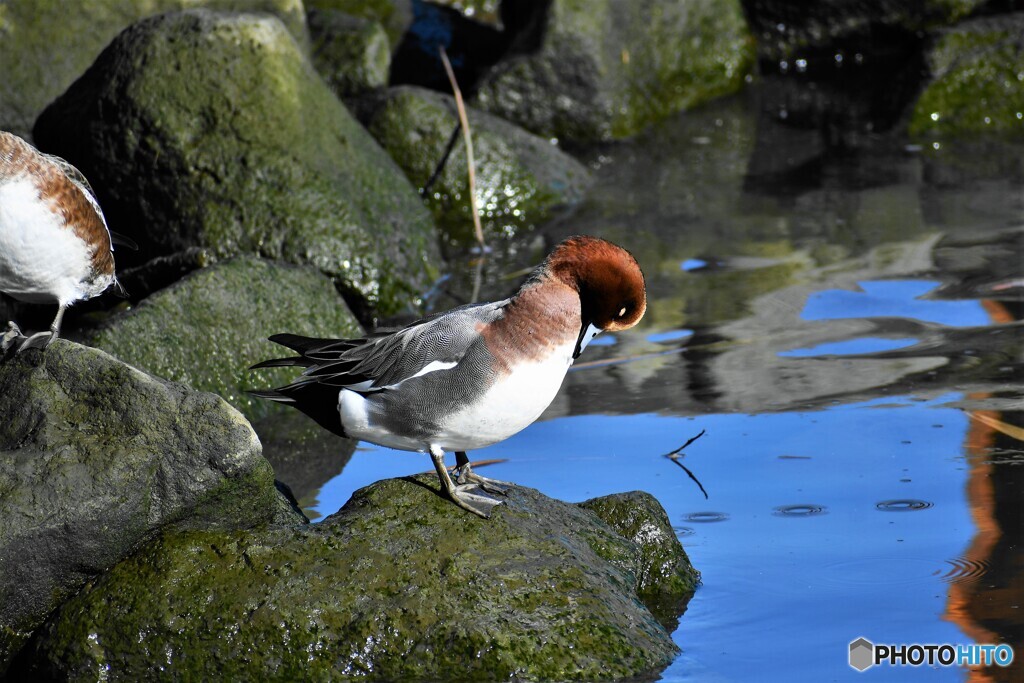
{"x": 315, "y": 399}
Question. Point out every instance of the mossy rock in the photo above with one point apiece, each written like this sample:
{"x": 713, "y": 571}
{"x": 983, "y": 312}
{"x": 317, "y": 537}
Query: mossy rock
{"x": 206, "y": 129}
{"x": 665, "y": 578}
{"x": 521, "y": 180}
{"x": 34, "y": 73}
{"x": 209, "y": 327}
{"x": 95, "y": 458}
{"x": 351, "y": 53}
{"x": 977, "y": 84}
{"x": 607, "y": 69}
{"x": 394, "y": 15}
{"x": 398, "y": 585}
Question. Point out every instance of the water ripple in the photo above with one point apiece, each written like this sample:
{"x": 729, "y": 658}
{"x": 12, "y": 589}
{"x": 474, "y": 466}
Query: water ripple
{"x": 706, "y": 517}
{"x": 801, "y": 510}
{"x": 903, "y": 505}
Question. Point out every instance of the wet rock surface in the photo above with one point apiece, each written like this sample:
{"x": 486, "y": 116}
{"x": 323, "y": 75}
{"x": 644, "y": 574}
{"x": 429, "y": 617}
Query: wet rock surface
{"x": 95, "y": 459}
{"x": 210, "y": 326}
{"x": 786, "y": 28}
{"x": 225, "y": 138}
{"x": 665, "y": 578}
{"x": 522, "y": 180}
{"x": 597, "y": 70}
{"x": 398, "y": 585}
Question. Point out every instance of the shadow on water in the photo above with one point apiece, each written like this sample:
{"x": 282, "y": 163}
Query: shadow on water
{"x": 851, "y": 341}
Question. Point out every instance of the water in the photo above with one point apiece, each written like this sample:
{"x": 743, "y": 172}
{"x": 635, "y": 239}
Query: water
{"x": 844, "y": 327}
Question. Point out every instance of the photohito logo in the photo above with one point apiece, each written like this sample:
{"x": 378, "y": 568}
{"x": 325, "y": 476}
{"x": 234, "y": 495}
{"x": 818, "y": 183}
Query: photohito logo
{"x": 864, "y": 654}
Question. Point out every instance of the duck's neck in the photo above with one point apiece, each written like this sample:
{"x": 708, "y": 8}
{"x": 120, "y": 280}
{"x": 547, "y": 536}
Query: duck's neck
{"x": 542, "y": 318}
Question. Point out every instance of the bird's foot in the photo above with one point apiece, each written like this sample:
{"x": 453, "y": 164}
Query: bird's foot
{"x": 10, "y": 337}
{"x": 467, "y": 497}
{"x": 468, "y": 477}
{"x": 39, "y": 340}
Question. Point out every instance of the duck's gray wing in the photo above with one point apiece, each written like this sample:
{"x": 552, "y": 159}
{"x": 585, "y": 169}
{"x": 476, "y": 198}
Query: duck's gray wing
{"x": 382, "y": 361}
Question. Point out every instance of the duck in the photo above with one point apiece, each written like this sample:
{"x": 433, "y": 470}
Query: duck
{"x": 55, "y": 246}
{"x": 470, "y": 377}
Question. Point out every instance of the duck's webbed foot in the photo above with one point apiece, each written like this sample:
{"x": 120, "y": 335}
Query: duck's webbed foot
{"x": 468, "y": 476}
{"x": 11, "y": 337}
{"x": 39, "y": 340}
{"x": 467, "y": 496}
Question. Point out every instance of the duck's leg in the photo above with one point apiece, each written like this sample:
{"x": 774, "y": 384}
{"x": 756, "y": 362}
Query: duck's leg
{"x": 462, "y": 495}
{"x": 10, "y": 337}
{"x": 40, "y": 340}
{"x": 468, "y": 476}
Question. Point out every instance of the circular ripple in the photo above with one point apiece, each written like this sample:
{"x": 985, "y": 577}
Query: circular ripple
{"x": 684, "y": 531}
{"x": 903, "y": 505}
{"x": 706, "y": 517}
{"x": 965, "y": 570}
{"x": 800, "y": 510}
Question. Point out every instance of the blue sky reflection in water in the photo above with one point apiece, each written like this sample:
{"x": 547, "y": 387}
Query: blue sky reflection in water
{"x": 893, "y": 298}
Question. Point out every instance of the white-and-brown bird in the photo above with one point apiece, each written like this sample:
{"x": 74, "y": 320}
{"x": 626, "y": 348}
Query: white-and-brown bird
{"x": 55, "y": 246}
{"x": 472, "y": 376}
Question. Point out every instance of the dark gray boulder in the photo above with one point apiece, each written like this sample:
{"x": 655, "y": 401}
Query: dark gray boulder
{"x": 207, "y": 129}
{"x": 522, "y": 180}
{"x": 603, "y": 69}
{"x": 96, "y": 458}
{"x": 398, "y": 585}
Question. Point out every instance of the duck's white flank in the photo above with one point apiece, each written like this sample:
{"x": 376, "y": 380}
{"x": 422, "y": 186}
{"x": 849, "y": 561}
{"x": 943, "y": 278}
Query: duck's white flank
{"x": 509, "y": 406}
{"x": 41, "y": 261}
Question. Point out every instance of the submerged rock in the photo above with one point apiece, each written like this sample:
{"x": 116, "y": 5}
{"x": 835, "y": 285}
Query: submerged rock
{"x": 977, "y": 83}
{"x": 595, "y": 70}
{"x": 521, "y": 180}
{"x": 208, "y": 328}
{"x": 96, "y": 458}
{"x": 398, "y": 585}
{"x": 205, "y": 129}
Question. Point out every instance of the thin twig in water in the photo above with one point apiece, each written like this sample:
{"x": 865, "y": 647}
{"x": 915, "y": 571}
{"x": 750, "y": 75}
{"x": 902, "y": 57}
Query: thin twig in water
{"x": 468, "y": 138}
{"x": 675, "y": 455}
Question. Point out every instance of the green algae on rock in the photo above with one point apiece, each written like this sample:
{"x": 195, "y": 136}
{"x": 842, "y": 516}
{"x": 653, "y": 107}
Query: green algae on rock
{"x": 35, "y": 73}
{"x": 394, "y": 15}
{"x": 225, "y": 138}
{"x": 398, "y": 585}
{"x": 607, "y": 69}
{"x": 351, "y": 53}
{"x": 665, "y": 578}
{"x": 95, "y": 458}
{"x": 209, "y": 327}
{"x": 977, "y": 84}
{"x": 521, "y": 180}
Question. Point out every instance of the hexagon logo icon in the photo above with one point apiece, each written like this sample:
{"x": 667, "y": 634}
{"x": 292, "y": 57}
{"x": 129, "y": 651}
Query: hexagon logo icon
{"x": 862, "y": 654}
